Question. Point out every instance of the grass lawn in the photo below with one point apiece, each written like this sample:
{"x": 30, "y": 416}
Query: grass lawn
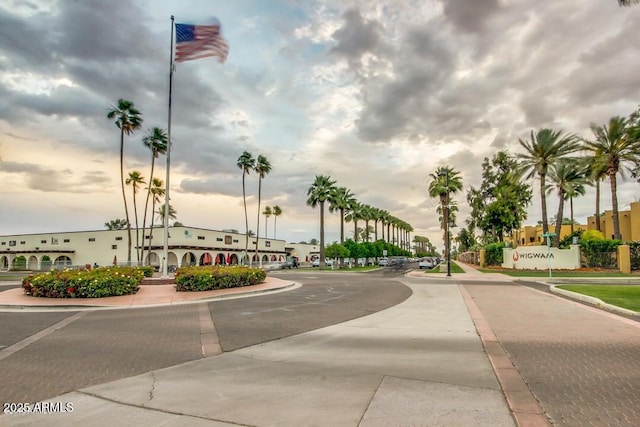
{"x": 545, "y": 273}
{"x": 455, "y": 268}
{"x": 619, "y": 295}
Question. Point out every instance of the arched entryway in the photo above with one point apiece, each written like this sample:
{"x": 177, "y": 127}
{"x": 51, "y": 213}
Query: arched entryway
{"x": 188, "y": 259}
{"x": 33, "y": 263}
{"x": 4, "y": 263}
{"x": 221, "y": 259}
{"x": 234, "y": 259}
{"x": 62, "y": 261}
{"x": 206, "y": 259}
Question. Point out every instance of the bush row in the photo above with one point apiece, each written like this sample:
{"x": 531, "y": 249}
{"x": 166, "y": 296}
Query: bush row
{"x": 205, "y": 278}
{"x": 96, "y": 283}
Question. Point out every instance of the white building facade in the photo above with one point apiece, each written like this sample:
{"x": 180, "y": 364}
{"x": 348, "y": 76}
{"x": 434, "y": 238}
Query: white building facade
{"x": 187, "y": 246}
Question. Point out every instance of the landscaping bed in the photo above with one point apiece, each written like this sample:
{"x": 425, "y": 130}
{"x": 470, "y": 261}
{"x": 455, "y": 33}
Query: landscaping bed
{"x": 91, "y": 283}
{"x": 206, "y": 278}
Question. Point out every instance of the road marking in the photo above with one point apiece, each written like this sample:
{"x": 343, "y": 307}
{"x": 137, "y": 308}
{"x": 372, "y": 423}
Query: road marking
{"x": 4, "y": 353}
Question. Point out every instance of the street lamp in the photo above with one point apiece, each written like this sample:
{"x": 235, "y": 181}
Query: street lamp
{"x": 445, "y": 172}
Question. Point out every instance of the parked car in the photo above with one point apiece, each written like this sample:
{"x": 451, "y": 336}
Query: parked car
{"x": 427, "y": 263}
{"x": 383, "y": 262}
{"x": 316, "y": 262}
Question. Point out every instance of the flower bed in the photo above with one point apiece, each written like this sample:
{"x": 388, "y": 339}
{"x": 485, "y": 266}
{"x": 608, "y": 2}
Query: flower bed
{"x": 206, "y": 278}
{"x": 96, "y": 283}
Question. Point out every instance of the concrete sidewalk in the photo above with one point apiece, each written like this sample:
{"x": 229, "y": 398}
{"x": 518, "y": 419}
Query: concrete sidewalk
{"x": 418, "y": 363}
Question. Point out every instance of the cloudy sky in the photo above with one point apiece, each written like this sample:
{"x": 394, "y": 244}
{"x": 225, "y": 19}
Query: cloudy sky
{"x": 376, "y": 94}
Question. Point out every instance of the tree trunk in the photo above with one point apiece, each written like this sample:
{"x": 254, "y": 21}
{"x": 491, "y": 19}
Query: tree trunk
{"x": 322, "y": 234}
{"x": 556, "y": 238}
{"x": 543, "y": 200}
{"x": 146, "y": 206}
{"x": 124, "y": 196}
{"x": 259, "y": 259}
{"x": 598, "y": 204}
{"x": 341, "y": 226}
{"x": 614, "y": 203}
{"x": 571, "y": 209}
{"x": 246, "y": 222}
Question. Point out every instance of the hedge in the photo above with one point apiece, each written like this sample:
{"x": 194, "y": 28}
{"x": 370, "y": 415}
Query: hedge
{"x": 96, "y": 283}
{"x": 206, "y": 278}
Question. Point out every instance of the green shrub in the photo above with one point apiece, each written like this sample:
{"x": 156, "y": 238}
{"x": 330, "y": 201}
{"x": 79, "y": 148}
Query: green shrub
{"x": 206, "y": 278}
{"x": 599, "y": 253}
{"x": 493, "y": 255}
{"x": 96, "y": 283}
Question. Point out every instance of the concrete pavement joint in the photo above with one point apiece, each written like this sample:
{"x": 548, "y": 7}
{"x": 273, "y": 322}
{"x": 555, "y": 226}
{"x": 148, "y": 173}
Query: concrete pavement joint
{"x": 6, "y": 352}
{"x": 209, "y": 339}
{"x": 373, "y": 395}
{"x": 162, "y": 411}
{"x": 526, "y": 409}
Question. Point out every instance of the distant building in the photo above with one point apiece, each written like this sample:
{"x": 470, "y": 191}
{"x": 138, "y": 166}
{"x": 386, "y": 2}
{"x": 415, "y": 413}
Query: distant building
{"x": 187, "y": 246}
{"x": 629, "y": 228}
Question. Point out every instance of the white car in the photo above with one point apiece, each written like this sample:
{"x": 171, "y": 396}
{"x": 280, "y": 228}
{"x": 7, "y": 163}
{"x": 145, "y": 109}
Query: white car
{"x": 427, "y": 263}
{"x": 316, "y": 262}
{"x": 383, "y": 262}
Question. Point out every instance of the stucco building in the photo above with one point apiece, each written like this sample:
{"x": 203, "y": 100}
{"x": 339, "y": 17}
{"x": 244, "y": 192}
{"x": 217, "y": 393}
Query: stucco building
{"x": 187, "y": 246}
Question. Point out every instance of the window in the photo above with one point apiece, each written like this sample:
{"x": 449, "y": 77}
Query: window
{"x": 235, "y": 240}
{"x": 114, "y": 246}
{"x": 200, "y": 237}
{"x": 43, "y": 241}
{"x": 218, "y": 239}
{"x": 12, "y": 242}
{"x": 119, "y": 238}
{"x": 227, "y": 240}
{"x": 4, "y": 243}
{"x": 22, "y": 242}
{"x": 92, "y": 239}
{"x": 65, "y": 241}
{"x": 267, "y": 244}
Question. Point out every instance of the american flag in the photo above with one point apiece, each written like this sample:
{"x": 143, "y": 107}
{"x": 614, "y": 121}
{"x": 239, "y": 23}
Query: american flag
{"x": 200, "y": 41}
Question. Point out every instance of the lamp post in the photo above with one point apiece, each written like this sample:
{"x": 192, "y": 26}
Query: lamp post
{"x": 445, "y": 212}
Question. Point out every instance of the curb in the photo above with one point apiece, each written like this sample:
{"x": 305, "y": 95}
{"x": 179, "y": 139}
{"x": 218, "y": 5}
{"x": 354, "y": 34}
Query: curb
{"x": 597, "y": 302}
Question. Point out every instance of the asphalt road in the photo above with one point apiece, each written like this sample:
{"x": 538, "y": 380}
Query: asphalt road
{"x": 94, "y": 347}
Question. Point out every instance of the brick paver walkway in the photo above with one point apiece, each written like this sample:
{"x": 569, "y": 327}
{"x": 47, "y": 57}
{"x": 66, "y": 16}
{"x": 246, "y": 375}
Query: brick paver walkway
{"x": 581, "y": 363}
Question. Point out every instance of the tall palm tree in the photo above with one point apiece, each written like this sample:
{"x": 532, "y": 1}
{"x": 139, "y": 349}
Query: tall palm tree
{"x": 354, "y": 213}
{"x": 135, "y": 180}
{"x": 341, "y": 200}
{"x": 367, "y": 215}
{"x": 267, "y": 212}
{"x": 617, "y": 152}
{"x": 319, "y": 192}
{"x": 595, "y": 173}
{"x": 156, "y": 188}
{"x": 173, "y": 214}
{"x": 128, "y": 119}
{"x": 566, "y": 177}
{"x": 246, "y": 163}
{"x": 277, "y": 211}
{"x": 445, "y": 181}
{"x": 262, "y": 168}
{"x": 543, "y": 149}
{"x": 156, "y": 141}
{"x": 384, "y": 217}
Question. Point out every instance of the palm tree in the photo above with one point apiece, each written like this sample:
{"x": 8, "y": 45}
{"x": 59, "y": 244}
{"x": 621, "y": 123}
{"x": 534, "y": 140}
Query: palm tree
{"x": 173, "y": 214}
{"x": 384, "y": 217}
{"x": 116, "y": 224}
{"x": 267, "y": 213}
{"x": 262, "y": 168}
{"x": 617, "y": 152}
{"x": 354, "y": 214}
{"x": 543, "y": 149}
{"x": 567, "y": 179}
{"x": 247, "y": 163}
{"x": 277, "y": 211}
{"x": 317, "y": 194}
{"x": 341, "y": 200}
{"x": 157, "y": 191}
{"x": 156, "y": 141}
{"x": 595, "y": 172}
{"x": 135, "y": 180}
{"x": 367, "y": 215}
{"x": 128, "y": 119}
{"x": 445, "y": 181}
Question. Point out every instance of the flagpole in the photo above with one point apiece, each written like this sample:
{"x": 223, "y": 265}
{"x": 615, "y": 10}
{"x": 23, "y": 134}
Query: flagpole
{"x": 165, "y": 255}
